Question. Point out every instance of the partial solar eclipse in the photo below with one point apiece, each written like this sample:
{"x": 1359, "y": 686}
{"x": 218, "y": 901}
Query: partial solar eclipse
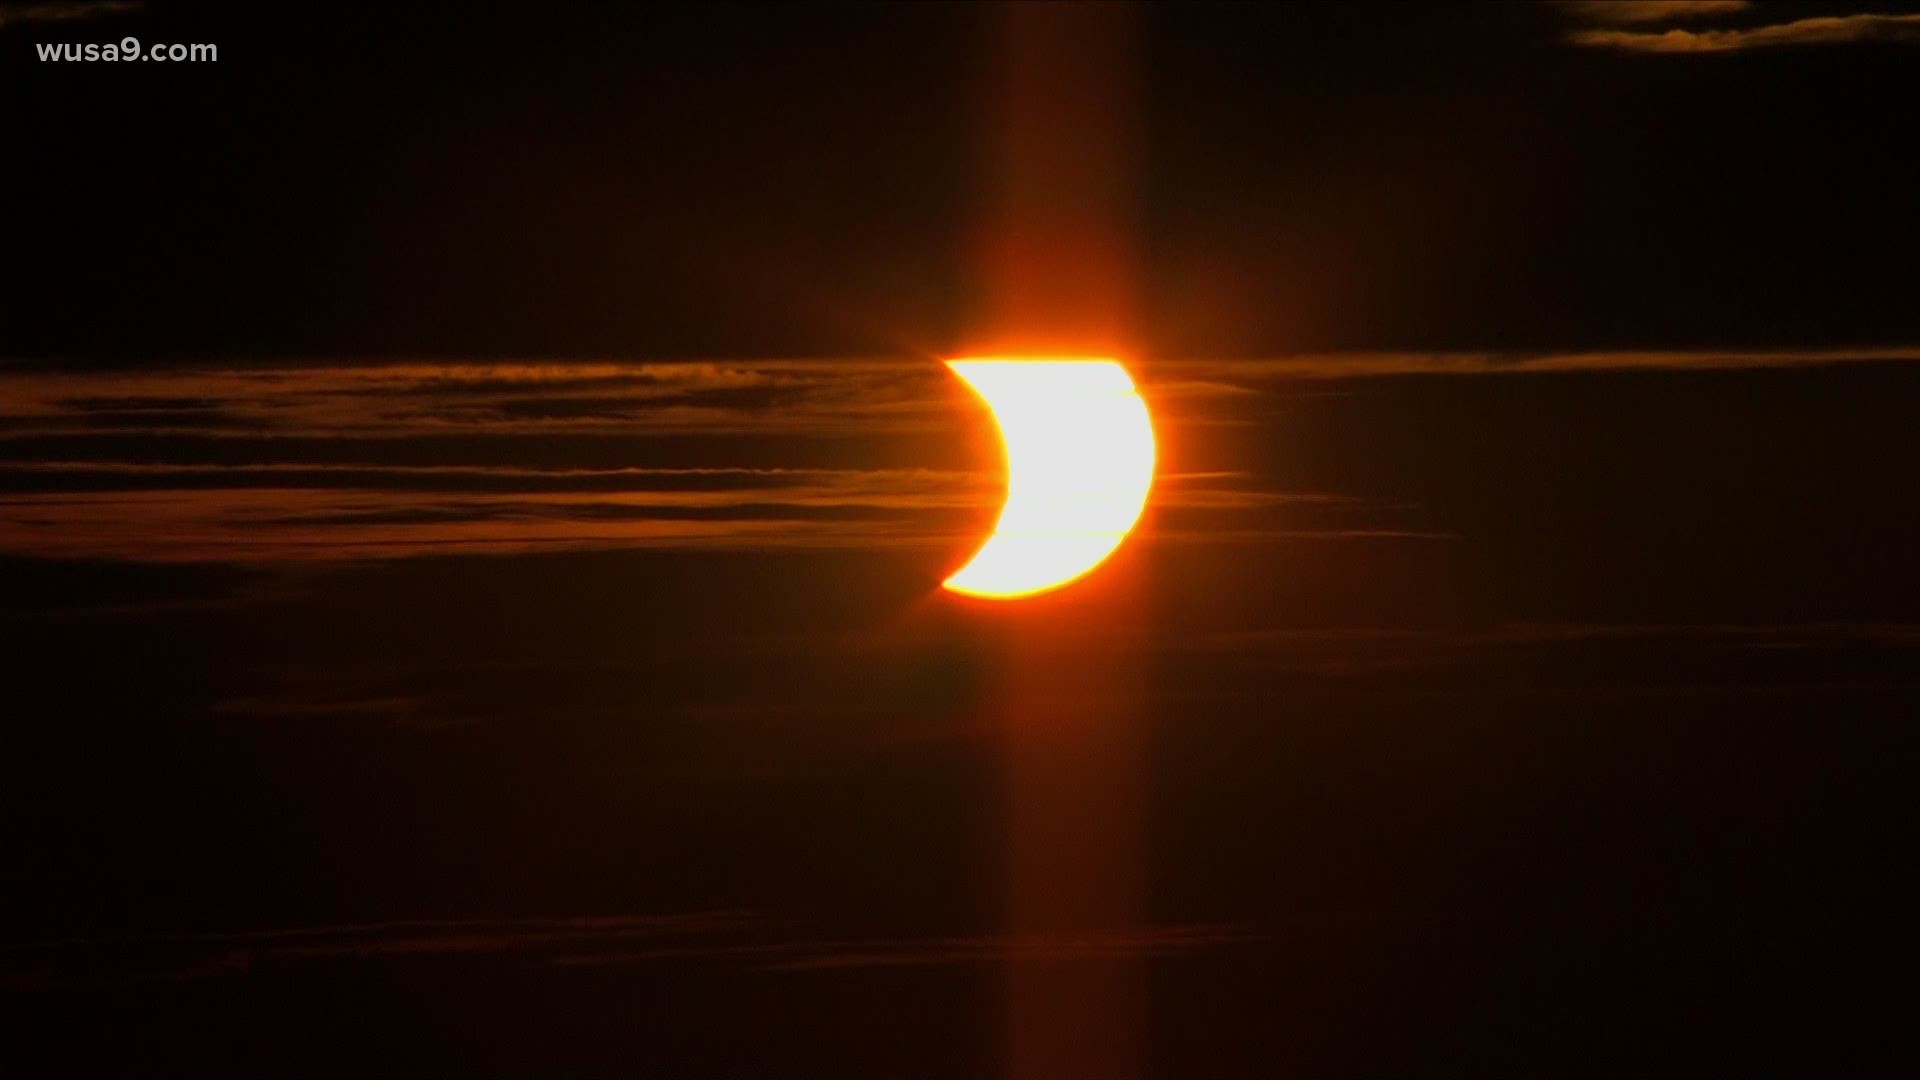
{"x": 1080, "y": 457}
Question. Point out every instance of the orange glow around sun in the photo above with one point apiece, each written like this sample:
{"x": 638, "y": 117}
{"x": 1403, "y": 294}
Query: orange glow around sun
{"x": 1080, "y": 459}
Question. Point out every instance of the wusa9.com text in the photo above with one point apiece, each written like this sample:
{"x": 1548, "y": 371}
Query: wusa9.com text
{"x": 128, "y": 49}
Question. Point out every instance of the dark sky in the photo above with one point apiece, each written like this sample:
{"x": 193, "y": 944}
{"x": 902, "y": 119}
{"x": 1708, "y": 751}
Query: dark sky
{"x": 474, "y": 489}
{"x": 645, "y": 180}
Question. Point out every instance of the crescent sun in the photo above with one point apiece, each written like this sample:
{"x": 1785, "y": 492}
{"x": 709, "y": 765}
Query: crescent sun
{"x": 1080, "y": 458}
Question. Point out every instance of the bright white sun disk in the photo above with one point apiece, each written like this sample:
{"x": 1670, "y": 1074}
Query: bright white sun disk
{"x": 1080, "y": 458}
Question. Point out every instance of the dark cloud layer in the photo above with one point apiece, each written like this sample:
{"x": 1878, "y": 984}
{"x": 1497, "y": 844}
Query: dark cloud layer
{"x": 120, "y": 488}
{"x": 305, "y": 463}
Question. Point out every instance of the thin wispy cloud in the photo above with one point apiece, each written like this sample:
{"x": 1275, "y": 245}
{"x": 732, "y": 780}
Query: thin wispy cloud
{"x": 387, "y": 400}
{"x": 59, "y": 12}
{"x": 110, "y": 962}
{"x": 1133, "y": 943}
{"x": 325, "y": 524}
{"x": 831, "y": 399}
{"x": 1572, "y": 656}
{"x": 1236, "y": 375}
{"x": 189, "y": 522}
{"x": 1736, "y": 635}
{"x": 736, "y": 941}
{"x": 1815, "y": 30}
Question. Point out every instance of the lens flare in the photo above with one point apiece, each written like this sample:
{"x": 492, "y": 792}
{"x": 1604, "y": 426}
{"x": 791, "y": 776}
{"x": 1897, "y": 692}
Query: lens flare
{"x": 1080, "y": 457}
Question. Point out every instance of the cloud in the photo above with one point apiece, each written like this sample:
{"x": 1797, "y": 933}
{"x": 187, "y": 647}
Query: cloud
{"x": 1650, "y": 11}
{"x": 111, "y": 962}
{"x": 801, "y": 400}
{"x": 1757, "y": 635}
{"x": 253, "y": 525}
{"x": 404, "y": 708}
{"x": 329, "y": 463}
{"x": 822, "y": 398}
{"x": 1241, "y": 372}
{"x": 736, "y": 940}
{"x": 1627, "y": 22}
{"x": 1819, "y": 30}
{"x": 71, "y": 11}
{"x": 307, "y": 514}
{"x": 1141, "y": 943}
{"x": 1559, "y": 656}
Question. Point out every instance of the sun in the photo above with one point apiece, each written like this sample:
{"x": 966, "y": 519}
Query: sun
{"x": 1080, "y": 458}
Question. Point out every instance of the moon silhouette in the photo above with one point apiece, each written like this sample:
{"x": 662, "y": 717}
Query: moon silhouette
{"x": 1080, "y": 458}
